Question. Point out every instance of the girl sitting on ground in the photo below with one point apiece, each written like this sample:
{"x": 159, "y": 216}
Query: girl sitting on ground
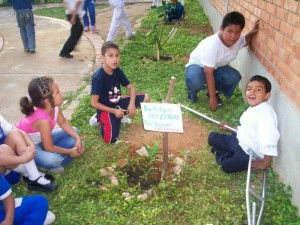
{"x": 16, "y": 154}
{"x": 56, "y": 147}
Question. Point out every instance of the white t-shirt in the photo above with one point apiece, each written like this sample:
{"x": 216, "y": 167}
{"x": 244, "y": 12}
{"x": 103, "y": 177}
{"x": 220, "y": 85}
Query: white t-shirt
{"x": 258, "y": 131}
{"x": 72, "y": 5}
{"x": 212, "y": 52}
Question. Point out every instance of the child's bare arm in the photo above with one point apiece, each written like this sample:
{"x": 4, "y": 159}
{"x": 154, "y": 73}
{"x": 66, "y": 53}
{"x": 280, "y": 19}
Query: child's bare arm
{"x": 261, "y": 164}
{"x": 9, "y": 208}
{"x": 252, "y": 32}
{"x": 131, "y": 107}
{"x": 97, "y": 105}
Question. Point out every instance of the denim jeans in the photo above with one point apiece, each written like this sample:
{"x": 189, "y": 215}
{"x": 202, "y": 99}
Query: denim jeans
{"x": 76, "y": 31}
{"x": 26, "y": 24}
{"x": 89, "y": 7}
{"x": 50, "y": 160}
{"x": 226, "y": 79}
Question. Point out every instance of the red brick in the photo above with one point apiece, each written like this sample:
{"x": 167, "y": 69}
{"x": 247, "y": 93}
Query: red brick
{"x": 265, "y": 16}
{"x": 262, "y": 4}
{"x": 275, "y": 22}
{"x": 282, "y": 14}
{"x": 272, "y": 45}
{"x": 269, "y": 30}
{"x": 286, "y": 29}
{"x": 257, "y": 12}
{"x": 290, "y": 46}
{"x": 278, "y": 2}
{"x": 291, "y": 5}
{"x": 283, "y": 55}
{"x": 294, "y": 65}
{"x": 279, "y": 38}
{"x": 296, "y": 36}
{"x": 270, "y": 8}
{"x": 284, "y": 70}
{"x": 293, "y": 19}
{"x": 255, "y": 2}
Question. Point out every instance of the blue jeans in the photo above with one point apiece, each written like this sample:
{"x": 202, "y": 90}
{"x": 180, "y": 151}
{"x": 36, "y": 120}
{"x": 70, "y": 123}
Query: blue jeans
{"x": 50, "y": 160}
{"x": 89, "y": 6}
{"x": 226, "y": 79}
{"x": 26, "y": 24}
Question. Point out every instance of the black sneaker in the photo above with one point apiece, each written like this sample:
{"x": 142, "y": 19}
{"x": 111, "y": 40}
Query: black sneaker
{"x": 33, "y": 185}
{"x": 68, "y": 55}
{"x": 219, "y": 100}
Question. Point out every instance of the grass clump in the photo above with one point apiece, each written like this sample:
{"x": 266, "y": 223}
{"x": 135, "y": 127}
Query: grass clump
{"x": 203, "y": 194}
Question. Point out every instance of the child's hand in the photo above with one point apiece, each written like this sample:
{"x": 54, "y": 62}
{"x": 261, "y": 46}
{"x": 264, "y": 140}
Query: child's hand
{"x": 131, "y": 110}
{"x": 119, "y": 113}
{"x": 74, "y": 152}
{"x": 258, "y": 164}
{"x": 80, "y": 146}
{"x": 223, "y": 124}
{"x": 255, "y": 27}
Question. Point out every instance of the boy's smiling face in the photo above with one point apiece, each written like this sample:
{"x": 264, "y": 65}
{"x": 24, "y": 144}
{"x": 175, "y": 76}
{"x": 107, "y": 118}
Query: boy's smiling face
{"x": 256, "y": 93}
{"x": 111, "y": 60}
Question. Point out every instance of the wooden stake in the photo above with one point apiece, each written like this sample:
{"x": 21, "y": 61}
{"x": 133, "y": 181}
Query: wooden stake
{"x": 165, "y": 134}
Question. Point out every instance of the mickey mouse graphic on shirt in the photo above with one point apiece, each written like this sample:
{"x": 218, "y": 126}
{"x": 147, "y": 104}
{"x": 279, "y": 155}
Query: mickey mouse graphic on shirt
{"x": 114, "y": 95}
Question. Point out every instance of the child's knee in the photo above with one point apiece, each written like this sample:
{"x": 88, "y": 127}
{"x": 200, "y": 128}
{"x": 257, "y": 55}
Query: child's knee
{"x": 146, "y": 98}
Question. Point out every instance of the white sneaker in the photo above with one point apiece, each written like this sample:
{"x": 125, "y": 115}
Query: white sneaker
{"x": 93, "y": 120}
{"x": 57, "y": 170}
{"x": 125, "y": 120}
{"x": 50, "y": 218}
{"x": 131, "y": 35}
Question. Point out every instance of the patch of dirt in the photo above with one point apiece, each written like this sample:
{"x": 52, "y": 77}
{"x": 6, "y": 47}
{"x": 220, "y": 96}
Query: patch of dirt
{"x": 194, "y": 137}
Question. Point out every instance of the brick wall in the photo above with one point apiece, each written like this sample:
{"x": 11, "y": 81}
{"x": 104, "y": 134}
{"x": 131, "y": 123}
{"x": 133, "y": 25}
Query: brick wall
{"x": 277, "y": 44}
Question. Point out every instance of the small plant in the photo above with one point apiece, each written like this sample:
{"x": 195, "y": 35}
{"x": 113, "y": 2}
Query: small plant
{"x": 148, "y": 168}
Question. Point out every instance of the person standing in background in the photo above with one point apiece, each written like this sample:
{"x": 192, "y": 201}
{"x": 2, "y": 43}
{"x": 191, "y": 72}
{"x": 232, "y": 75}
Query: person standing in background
{"x": 120, "y": 17}
{"x": 73, "y": 11}
{"x": 89, "y": 8}
{"x": 25, "y": 19}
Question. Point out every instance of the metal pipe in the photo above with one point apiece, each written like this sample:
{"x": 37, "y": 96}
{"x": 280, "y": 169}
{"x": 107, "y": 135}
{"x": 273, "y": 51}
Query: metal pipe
{"x": 206, "y": 117}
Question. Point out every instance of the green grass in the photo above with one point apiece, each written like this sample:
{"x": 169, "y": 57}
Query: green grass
{"x": 203, "y": 194}
{"x": 56, "y": 12}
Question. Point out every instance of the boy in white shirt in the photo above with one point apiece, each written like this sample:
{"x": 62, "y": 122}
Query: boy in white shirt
{"x": 258, "y": 132}
{"x": 208, "y": 65}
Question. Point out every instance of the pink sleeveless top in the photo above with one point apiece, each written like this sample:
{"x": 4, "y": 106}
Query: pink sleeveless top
{"x": 26, "y": 123}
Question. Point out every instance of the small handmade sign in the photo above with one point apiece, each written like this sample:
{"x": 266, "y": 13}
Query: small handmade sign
{"x": 162, "y": 117}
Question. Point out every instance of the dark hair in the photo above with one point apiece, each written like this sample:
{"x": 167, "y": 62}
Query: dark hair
{"x": 262, "y": 80}
{"x": 39, "y": 89}
{"x": 233, "y": 17}
{"x": 107, "y": 45}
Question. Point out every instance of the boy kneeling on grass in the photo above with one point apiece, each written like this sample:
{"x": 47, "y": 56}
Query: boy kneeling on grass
{"x": 106, "y": 94}
{"x": 258, "y": 132}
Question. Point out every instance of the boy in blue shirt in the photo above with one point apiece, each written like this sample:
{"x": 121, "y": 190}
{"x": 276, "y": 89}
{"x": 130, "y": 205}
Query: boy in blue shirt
{"x": 106, "y": 93}
{"x": 174, "y": 11}
{"x": 25, "y": 21}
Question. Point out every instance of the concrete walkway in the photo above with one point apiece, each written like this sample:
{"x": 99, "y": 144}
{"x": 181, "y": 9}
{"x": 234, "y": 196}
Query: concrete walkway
{"x": 17, "y": 67}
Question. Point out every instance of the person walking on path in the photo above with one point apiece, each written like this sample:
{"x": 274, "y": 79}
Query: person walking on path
{"x": 73, "y": 11}
{"x": 120, "y": 17}
{"x": 89, "y": 8}
{"x": 25, "y": 19}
